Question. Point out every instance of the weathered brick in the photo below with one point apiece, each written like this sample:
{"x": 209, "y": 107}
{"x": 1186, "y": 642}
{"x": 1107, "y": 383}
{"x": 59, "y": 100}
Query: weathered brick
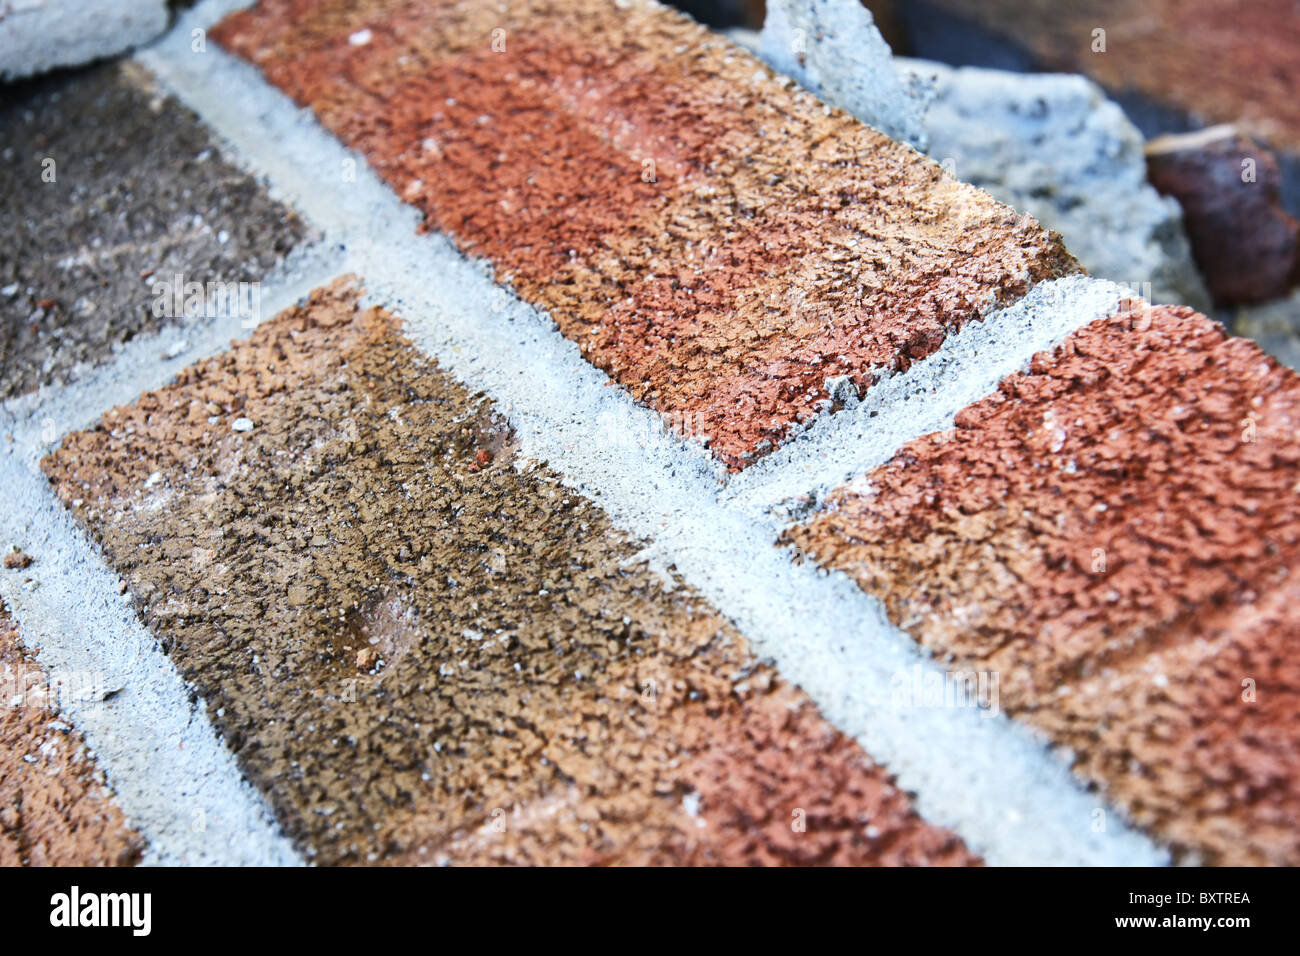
{"x": 139, "y": 193}
{"x": 1115, "y": 533}
{"x": 423, "y": 647}
{"x": 1223, "y": 60}
{"x": 55, "y": 809}
{"x": 720, "y": 243}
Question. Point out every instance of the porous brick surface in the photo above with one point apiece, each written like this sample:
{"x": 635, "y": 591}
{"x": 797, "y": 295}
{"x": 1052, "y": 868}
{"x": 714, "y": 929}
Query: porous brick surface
{"x": 1115, "y": 533}
{"x": 424, "y": 648}
{"x": 109, "y": 187}
{"x": 718, "y": 241}
{"x": 55, "y": 808}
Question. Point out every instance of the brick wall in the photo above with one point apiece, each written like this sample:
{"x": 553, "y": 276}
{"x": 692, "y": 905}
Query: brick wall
{"x": 617, "y": 456}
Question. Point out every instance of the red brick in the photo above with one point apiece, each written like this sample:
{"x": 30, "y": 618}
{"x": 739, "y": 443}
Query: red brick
{"x": 1115, "y": 532}
{"x": 781, "y": 242}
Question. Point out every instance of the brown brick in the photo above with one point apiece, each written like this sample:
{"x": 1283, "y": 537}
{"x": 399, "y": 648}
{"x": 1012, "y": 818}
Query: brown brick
{"x": 777, "y": 243}
{"x": 410, "y": 644}
{"x": 1115, "y": 532}
{"x": 55, "y": 809}
{"x": 140, "y": 192}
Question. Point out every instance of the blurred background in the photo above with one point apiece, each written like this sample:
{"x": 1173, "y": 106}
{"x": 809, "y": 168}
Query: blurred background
{"x": 1211, "y": 89}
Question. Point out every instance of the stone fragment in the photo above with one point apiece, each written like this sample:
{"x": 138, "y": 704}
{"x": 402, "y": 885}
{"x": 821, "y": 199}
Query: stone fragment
{"x": 1055, "y": 147}
{"x": 834, "y": 50}
{"x": 1247, "y": 245}
{"x": 39, "y": 35}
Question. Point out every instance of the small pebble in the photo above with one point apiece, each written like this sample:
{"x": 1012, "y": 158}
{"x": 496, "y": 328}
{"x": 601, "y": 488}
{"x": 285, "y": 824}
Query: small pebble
{"x": 17, "y": 559}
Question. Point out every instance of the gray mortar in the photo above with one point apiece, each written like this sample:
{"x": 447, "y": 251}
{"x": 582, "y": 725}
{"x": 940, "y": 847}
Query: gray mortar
{"x": 39, "y": 35}
{"x": 175, "y": 781}
{"x": 796, "y": 477}
{"x": 994, "y": 782}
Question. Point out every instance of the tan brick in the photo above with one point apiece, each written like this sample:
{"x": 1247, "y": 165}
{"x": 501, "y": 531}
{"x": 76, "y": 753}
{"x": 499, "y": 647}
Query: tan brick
{"x": 421, "y": 652}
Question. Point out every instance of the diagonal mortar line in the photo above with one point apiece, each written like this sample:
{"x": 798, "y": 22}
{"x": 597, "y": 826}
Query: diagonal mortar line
{"x": 175, "y": 780}
{"x": 966, "y": 367}
{"x": 990, "y": 780}
{"x": 981, "y": 775}
{"x": 37, "y": 420}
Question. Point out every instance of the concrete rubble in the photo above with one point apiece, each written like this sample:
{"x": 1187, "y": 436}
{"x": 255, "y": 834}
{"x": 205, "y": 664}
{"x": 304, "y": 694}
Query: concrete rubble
{"x": 1051, "y": 146}
{"x": 41, "y": 35}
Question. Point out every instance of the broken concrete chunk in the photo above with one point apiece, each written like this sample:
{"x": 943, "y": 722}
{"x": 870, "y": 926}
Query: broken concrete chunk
{"x": 1275, "y": 326}
{"x": 1055, "y": 147}
{"x": 834, "y": 50}
{"x": 40, "y": 35}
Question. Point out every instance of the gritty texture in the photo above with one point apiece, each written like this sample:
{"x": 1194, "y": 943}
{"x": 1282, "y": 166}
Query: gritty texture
{"x": 719, "y": 244}
{"x": 424, "y": 649}
{"x": 140, "y": 192}
{"x": 988, "y": 779}
{"x": 176, "y": 782}
{"x": 55, "y": 808}
{"x": 1056, "y": 148}
{"x": 1246, "y": 244}
{"x": 1223, "y": 60}
{"x": 798, "y": 477}
{"x": 1060, "y": 536}
{"x": 39, "y": 35}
